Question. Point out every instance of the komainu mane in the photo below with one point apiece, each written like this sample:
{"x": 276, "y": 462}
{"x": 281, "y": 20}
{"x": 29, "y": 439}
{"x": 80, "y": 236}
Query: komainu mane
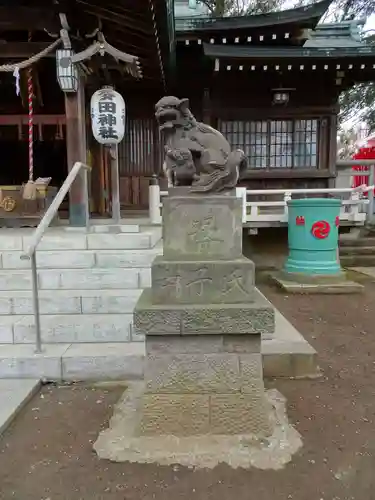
{"x": 196, "y": 154}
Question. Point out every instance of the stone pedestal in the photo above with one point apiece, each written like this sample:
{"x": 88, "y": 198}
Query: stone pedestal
{"x": 203, "y": 320}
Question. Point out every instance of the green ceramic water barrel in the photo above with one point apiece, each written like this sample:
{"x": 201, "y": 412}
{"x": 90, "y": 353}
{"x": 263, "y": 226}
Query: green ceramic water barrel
{"x": 313, "y": 225}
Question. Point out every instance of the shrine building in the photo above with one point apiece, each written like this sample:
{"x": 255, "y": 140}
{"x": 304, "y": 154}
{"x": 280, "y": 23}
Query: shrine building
{"x": 270, "y": 83}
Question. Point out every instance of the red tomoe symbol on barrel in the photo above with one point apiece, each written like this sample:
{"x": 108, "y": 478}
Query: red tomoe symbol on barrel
{"x": 320, "y": 229}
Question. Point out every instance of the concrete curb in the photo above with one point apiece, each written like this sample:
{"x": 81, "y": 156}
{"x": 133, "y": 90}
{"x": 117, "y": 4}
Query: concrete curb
{"x": 14, "y": 395}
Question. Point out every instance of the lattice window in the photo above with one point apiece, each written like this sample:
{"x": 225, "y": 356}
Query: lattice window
{"x": 139, "y": 151}
{"x": 275, "y": 143}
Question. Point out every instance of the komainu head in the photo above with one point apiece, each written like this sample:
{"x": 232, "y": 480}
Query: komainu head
{"x": 172, "y": 112}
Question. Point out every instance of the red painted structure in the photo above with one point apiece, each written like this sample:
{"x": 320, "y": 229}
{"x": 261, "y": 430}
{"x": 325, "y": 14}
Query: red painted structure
{"x": 366, "y": 152}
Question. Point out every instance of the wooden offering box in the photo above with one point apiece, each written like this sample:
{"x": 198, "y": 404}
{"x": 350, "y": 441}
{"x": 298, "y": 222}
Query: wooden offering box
{"x": 18, "y": 212}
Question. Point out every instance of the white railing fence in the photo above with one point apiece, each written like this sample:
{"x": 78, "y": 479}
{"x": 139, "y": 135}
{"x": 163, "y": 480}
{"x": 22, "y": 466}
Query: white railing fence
{"x": 276, "y": 211}
{"x": 357, "y": 203}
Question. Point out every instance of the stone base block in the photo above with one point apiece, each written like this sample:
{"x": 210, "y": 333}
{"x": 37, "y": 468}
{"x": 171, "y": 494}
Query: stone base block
{"x": 208, "y": 226}
{"x": 191, "y": 414}
{"x": 204, "y": 373}
{"x": 175, "y": 414}
{"x": 240, "y": 414}
{"x": 214, "y": 319}
{"x": 334, "y": 287}
{"x": 192, "y": 373}
{"x": 202, "y": 344}
{"x": 221, "y": 365}
{"x": 313, "y": 279}
{"x": 121, "y": 442}
{"x": 203, "y": 282}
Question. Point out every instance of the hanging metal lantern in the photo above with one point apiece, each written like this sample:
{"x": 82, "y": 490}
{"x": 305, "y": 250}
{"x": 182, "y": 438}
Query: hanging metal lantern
{"x": 67, "y": 72}
{"x": 108, "y": 116}
{"x": 280, "y": 96}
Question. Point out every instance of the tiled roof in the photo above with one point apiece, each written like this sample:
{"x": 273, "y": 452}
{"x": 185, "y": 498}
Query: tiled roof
{"x": 337, "y": 35}
{"x": 309, "y": 15}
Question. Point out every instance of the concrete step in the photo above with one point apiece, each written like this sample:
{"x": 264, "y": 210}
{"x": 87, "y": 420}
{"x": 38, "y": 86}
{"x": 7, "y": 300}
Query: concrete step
{"x": 121, "y": 361}
{"x": 68, "y": 362}
{"x": 14, "y": 394}
{"x": 71, "y": 279}
{"x": 356, "y": 242}
{"x": 357, "y": 250}
{"x": 126, "y": 225}
{"x": 82, "y": 259}
{"x": 115, "y": 228}
{"x": 64, "y": 239}
{"x": 357, "y": 260}
{"x": 70, "y": 302}
{"x": 68, "y": 328}
{"x": 105, "y": 228}
{"x": 368, "y": 272}
{"x": 286, "y": 354}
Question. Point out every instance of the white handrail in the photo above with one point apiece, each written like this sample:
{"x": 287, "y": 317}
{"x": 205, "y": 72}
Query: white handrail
{"x": 38, "y": 234}
{"x": 53, "y": 208}
{"x": 363, "y": 188}
{"x": 355, "y": 163}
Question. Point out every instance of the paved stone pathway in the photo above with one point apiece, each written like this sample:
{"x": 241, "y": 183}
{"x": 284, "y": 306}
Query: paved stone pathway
{"x": 14, "y": 394}
{"x": 368, "y": 271}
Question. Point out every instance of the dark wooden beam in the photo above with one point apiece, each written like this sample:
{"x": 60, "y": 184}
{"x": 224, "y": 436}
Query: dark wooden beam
{"x": 123, "y": 41}
{"x": 127, "y": 12}
{"x": 28, "y": 18}
{"x": 22, "y": 49}
{"x": 126, "y": 21}
{"x": 128, "y": 27}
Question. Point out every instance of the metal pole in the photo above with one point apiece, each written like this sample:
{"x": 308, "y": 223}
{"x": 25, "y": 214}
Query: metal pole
{"x": 84, "y": 172}
{"x": 370, "y": 195}
{"x": 154, "y": 200}
{"x": 34, "y": 280}
{"x": 116, "y": 209}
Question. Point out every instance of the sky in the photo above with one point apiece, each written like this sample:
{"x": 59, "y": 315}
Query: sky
{"x": 370, "y": 25}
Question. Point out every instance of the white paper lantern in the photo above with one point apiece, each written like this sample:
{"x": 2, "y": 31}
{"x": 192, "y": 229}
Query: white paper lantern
{"x": 108, "y": 116}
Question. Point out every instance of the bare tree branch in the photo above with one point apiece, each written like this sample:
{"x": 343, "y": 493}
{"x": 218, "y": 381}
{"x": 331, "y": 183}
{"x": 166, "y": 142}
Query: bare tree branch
{"x": 219, "y": 8}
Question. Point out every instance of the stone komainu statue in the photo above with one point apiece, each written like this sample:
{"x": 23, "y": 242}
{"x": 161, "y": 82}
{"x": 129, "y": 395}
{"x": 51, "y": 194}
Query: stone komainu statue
{"x": 196, "y": 154}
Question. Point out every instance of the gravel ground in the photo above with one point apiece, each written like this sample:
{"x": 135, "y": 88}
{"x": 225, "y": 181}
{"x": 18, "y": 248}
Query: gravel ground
{"x": 47, "y": 453}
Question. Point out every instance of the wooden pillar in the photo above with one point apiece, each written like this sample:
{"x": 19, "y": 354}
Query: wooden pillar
{"x": 332, "y": 150}
{"x": 76, "y": 151}
{"x": 207, "y": 118}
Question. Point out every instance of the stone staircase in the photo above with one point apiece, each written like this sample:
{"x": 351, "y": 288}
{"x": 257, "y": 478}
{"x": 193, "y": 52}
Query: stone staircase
{"x": 89, "y": 284}
{"x": 358, "y": 251}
